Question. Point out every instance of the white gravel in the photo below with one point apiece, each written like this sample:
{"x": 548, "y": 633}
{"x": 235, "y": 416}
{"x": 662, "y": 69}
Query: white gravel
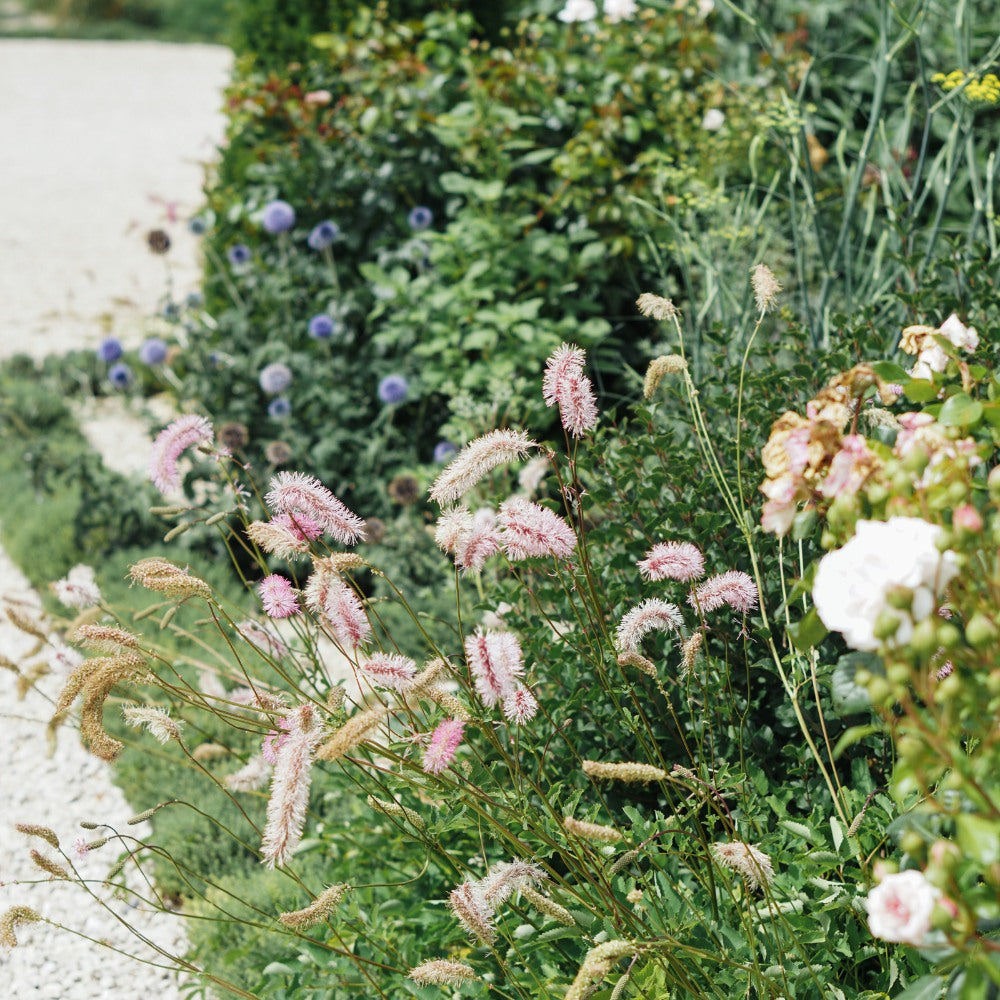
{"x": 102, "y": 142}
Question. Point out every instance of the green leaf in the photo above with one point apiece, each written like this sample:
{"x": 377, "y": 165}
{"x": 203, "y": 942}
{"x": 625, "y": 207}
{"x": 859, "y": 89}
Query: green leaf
{"x": 848, "y": 696}
{"x": 960, "y": 410}
{"x": 808, "y": 632}
{"x": 800, "y": 830}
{"x": 890, "y": 371}
{"x": 925, "y": 988}
{"x": 978, "y": 838}
{"x": 279, "y": 969}
{"x": 920, "y": 390}
{"x": 854, "y": 735}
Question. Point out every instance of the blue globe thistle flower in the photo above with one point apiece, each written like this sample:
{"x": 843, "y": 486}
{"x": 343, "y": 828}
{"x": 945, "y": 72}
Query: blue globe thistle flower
{"x": 275, "y": 378}
{"x": 278, "y": 408}
{"x": 197, "y": 225}
{"x": 420, "y": 218}
{"x": 193, "y": 300}
{"x": 120, "y": 375}
{"x": 171, "y": 310}
{"x": 109, "y": 349}
{"x": 238, "y": 254}
{"x": 323, "y": 235}
{"x": 393, "y": 389}
{"x": 444, "y": 450}
{"x": 153, "y": 351}
{"x": 322, "y": 326}
{"x": 278, "y": 217}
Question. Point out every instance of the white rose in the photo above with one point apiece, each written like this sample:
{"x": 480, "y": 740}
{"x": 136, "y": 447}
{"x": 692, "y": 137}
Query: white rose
{"x": 578, "y": 10}
{"x": 900, "y": 907}
{"x": 959, "y": 334}
{"x": 853, "y": 582}
{"x": 619, "y": 10}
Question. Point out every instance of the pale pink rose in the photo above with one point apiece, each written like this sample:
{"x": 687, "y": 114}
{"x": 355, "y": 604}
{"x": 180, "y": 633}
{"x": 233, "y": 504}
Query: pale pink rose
{"x": 900, "y": 907}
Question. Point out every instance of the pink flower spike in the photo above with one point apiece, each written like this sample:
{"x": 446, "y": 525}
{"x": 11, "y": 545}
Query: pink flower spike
{"x": 565, "y": 385}
{"x": 276, "y": 739}
{"x": 296, "y": 493}
{"x": 299, "y": 525}
{"x": 494, "y": 659}
{"x": 476, "y": 460}
{"x": 440, "y": 751}
{"x": 653, "y": 615}
{"x": 278, "y": 597}
{"x": 520, "y": 706}
{"x": 673, "y": 561}
{"x": 529, "y": 531}
{"x": 390, "y": 670}
{"x": 330, "y": 596}
{"x": 733, "y": 588}
{"x": 183, "y": 433}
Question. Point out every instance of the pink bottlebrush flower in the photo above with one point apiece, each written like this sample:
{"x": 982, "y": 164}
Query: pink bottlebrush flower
{"x": 183, "y": 433}
{"x": 272, "y": 645}
{"x": 276, "y": 739}
{"x": 475, "y": 916}
{"x": 471, "y": 539}
{"x": 565, "y": 385}
{"x": 653, "y": 615}
{"x": 444, "y": 743}
{"x": 495, "y": 661}
{"x": 476, "y": 460}
{"x": 390, "y": 670}
{"x": 289, "y": 799}
{"x": 299, "y": 525}
{"x": 733, "y": 588}
{"x": 520, "y": 706}
{"x": 507, "y": 877}
{"x": 333, "y": 598}
{"x": 296, "y": 493}
{"x": 278, "y": 597}
{"x": 529, "y": 531}
{"x": 673, "y": 561}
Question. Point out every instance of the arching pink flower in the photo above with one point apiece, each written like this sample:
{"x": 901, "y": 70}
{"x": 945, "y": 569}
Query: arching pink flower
{"x": 653, "y": 615}
{"x": 529, "y": 531}
{"x": 276, "y": 739}
{"x": 299, "y": 494}
{"x": 390, "y": 670}
{"x": 520, "y": 706}
{"x": 183, "y": 433}
{"x": 476, "y": 460}
{"x": 278, "y": 597}
{"x": 733, "y": 588}
{"x": 444, "y": 743}
{"x": 470, "y": 538}
{"x": 495, "y": 661}
{"x": 673, "y": 561}
{"x": 331, "y": 597}
{"x": 299, "y": 525}
{"x": 565, "y": 385}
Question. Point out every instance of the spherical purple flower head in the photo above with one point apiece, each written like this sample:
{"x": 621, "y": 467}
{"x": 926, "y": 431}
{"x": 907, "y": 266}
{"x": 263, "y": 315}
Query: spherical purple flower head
{"x": 109, "y": 349}
{"x": 238, "y": 254}
{"x": 153, "y": 351}
{"x": 420, "y": 218}
{"x": 393, "y": 389}
{"x": 275, "y": 378}
{"x": 444, "y": 450}
{"x": 322, "y": 326}
{"x": 323, "y": 235}
{"x": 120, "y": 375}
{"x": 278, "y": 217}
{"x": 279, "y": 408}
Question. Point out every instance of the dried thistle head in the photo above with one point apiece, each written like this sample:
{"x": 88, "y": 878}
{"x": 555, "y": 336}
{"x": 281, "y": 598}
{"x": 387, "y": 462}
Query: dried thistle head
{"x": 49, "y": 866}
{"x": 442, "y": 972}
{"x": 765, "y": 287}
{"x": 656, "y": 307}
{"x": 13, "y": 918}
{"x": 33, "y": 830}
{"x": 630, "y": 658}
{"x": 548, "y": 906}
{"x": 353, "y": 733}
{"x": 658, "y": 369}
{"x": 591, "y": 831}
{"x": 25, "y": 624}
{"x": 109, "y": 638}
{"x": 746, "y": 859}
{"x": 163, "y": 577}
{"x": 626, "y": 772}
{"x": 597, "y": 965}
{"x": 317, "y": 911}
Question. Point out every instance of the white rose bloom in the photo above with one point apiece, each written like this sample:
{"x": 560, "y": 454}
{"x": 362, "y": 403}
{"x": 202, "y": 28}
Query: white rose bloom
{"x": 620, "y": 10}
{"x": 714, "y": 120}
{"x": 852, "y": 583}
{"x": 578, "y": 10}
{"x": 962, "y": 336}
{"x": 900, "y": 907}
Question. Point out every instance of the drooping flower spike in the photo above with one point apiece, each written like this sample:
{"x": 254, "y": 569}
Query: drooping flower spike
{"x": 565, "y": 385}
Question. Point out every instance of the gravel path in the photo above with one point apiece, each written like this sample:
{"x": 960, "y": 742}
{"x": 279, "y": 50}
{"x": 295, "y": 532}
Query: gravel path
{"x": 102, "y": 142}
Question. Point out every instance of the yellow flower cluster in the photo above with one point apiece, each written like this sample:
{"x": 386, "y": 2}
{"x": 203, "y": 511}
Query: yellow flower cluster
{"x": 983, "y": 91}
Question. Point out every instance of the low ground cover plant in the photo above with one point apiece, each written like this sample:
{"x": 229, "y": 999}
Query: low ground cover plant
{"x": 637, "y": 762}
